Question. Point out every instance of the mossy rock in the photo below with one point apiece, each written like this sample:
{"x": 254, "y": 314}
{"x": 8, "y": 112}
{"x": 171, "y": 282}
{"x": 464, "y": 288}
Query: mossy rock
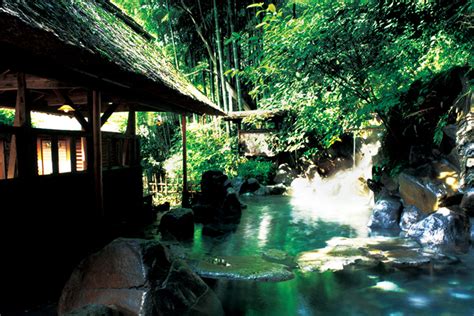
{"x": 240, "y": 268}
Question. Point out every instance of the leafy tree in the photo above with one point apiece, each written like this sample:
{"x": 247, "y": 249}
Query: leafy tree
{"x": 339, "y": 63}
{"x": 7, "y": 116}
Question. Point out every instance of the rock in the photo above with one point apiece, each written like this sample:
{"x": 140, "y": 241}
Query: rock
{"x": 279, "y": 256}
{"x": 240, "y": 268}
{"x": 414, "y": 192}
{"x": 465, "y": 140}
{"x": 250, "y": 185}
{"x": 385, "y": 214}
{"x": 231, "y": 209}
{"x": 237, "y": 183}
{"x": 374, "y": 186}
{"x": 448, "y": 143}
{"x": 137, "y": 277}
{"x": 165, "y": 207}
{"x": 285, "y": 174}
{"x": 363, "y": 253}
{"x": 311, "y": 172}
{"x": 262, "y": 191}
{"x": 178, "y": 223}
{"x": 214, "y": 186}
{"x": 446, "y": 229}
{"x": 277, "y": 189}
{"x": 467, "y": 202}
{"x": 417, "y": 155}
{"x": 410, "y": 215}
{"x": 95, "y": 310}
{"x": 388, "y": 182}
{"x": 454, "y": 159}
{"x": 427, "y": 186}
{"x": 218, "y": 200}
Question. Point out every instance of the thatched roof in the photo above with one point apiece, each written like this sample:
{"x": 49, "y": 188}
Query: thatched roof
{"x": 261, "y": 114}
{"x": 94, "y": 44}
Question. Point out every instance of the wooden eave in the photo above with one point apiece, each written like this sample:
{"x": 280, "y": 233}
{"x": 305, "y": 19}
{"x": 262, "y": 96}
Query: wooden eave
{"x": 59, "y": 65}
{"x": 267, "y": 114}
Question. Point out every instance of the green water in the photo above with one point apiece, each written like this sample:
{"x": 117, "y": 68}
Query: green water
{"x": 284, "y": 223}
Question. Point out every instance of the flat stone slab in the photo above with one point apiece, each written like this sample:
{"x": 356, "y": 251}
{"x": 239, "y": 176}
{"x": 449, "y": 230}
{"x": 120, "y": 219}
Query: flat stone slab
{"x": 250, "y": 268}
{"x": 392, "y": 252}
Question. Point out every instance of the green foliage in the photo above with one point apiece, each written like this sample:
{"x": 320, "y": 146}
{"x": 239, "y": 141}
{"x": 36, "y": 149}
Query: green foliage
{"x": 333, "y": 65}
{"x": 7, "y": 116}
{"x": 256, "y": 168}
{"x": 158, "y": 132}
{"x": 438, "y": 133}
{"x": 339, "y": 63}
{"x": 208, "y": 149}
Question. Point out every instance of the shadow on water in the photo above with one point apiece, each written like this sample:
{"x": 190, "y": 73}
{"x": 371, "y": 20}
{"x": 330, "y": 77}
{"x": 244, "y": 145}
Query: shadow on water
{"x": 269, "y": 223}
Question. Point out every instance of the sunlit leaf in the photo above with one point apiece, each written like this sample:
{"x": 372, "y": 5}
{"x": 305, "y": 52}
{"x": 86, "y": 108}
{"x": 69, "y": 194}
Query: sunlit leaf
{"x": 272, "y": 8}
{"x": 256, "y": 5}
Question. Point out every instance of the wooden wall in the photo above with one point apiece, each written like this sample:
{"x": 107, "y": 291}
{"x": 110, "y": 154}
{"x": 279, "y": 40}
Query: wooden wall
{"x": 48, "y": 223}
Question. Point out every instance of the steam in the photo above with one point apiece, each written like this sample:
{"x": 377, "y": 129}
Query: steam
{"x": 343, "y": 198}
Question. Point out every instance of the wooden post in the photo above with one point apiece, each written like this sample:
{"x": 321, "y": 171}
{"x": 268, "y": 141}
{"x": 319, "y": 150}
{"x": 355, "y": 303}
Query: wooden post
{"x": 72, "y": 149}
{"x": 2, "y": 160}
{"x": 128, "y": 155}
{"x": 55, "y": 154}
{"x": 89, "y": 145}
{"x": 22, "y": 119}
{"x": 97, "y": 146}
{"x": 185, "y": 195}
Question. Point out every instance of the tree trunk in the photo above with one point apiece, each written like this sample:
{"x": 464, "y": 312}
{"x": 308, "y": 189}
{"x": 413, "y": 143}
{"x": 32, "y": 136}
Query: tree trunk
{"x": 172, "y": 35}
{"x": 235, "y": 55}
{"x": 212, "y": 57}
{"x": 220, "y": 57}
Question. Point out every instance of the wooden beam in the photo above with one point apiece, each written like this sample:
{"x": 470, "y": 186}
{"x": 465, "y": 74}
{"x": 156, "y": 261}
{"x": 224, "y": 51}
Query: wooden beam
{"x": 110, "y": 110}
{"x": 77, "y": 114}
{"x": 97, "y": 147}
{"x": 185, "y": 196}
{"x": 8, "y": 82}
{"x": 2, "y": 160}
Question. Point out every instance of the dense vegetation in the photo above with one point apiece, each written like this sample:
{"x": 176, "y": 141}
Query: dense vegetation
{"x": 333, "y": 65}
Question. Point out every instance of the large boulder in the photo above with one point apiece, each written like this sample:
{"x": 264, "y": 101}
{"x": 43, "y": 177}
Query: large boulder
{"x": 214, "y": 185}
{"x": 95, "y": 310}
{"x": 178, "y": 223}
{"x": 429, "y": 186}
{"x": 237, "y": 183}
{"x": 410, "y": 215}
{"x": 467, "y": 202}
{"x": 385, "y": 214}
{"x": 250, "y": 185}
{"x": 285, "y": 174}
{"x": 245, "y": 268}
{"x": 446, "y": 229}
{"x": 365, "y": 253}
{"x": 218, "y": 199}
{"x": 137, "y": 277}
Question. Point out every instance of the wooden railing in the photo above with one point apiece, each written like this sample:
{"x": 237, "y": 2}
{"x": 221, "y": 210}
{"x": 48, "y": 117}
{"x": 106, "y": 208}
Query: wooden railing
{"x": 168, "y": 188}
{"x": 30, "y": 151}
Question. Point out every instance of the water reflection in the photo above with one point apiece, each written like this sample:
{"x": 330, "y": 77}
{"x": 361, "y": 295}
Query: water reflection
{"x": 304, "y": 222}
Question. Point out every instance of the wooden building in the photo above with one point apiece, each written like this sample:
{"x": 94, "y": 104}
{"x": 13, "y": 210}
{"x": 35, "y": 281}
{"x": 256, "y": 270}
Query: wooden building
{"x": 60, "y": 189}
{"x": 255, "y": 130}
